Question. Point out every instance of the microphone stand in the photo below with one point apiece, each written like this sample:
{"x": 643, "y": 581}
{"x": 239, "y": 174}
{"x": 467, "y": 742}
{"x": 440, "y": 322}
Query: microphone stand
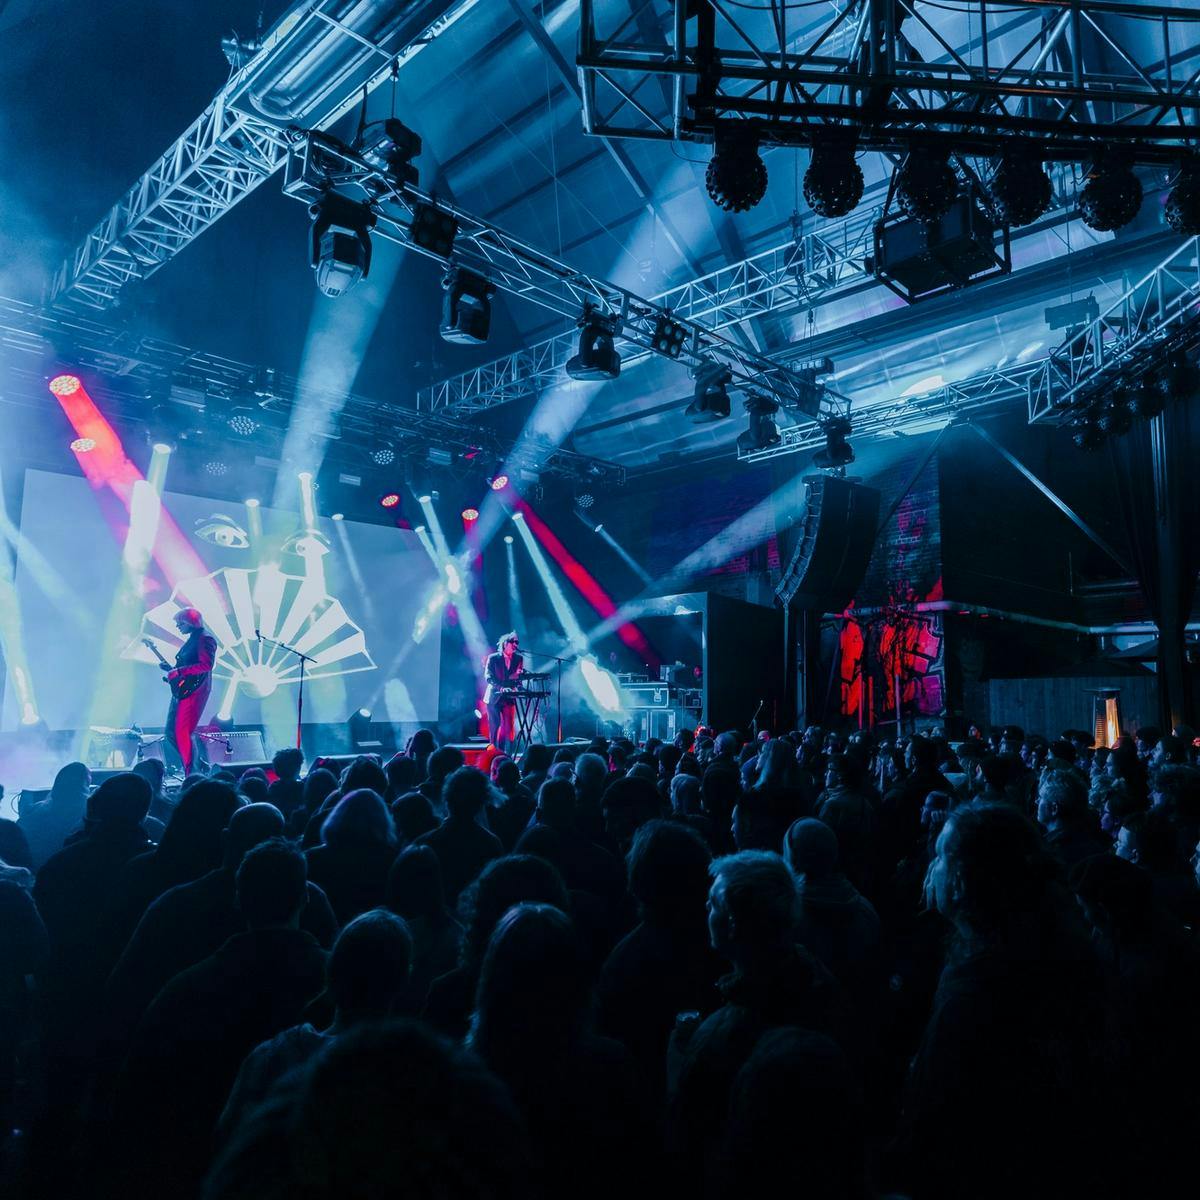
{"x": 554, "y": 658}
{"x": 304, "y": 658}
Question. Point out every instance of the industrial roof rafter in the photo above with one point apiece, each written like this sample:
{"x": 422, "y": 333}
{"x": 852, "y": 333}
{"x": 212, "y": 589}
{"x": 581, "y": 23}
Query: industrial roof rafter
{"x": 312, "y": 68}
{"x": 319, "y": 162}
{"x": 1024, "y": 68}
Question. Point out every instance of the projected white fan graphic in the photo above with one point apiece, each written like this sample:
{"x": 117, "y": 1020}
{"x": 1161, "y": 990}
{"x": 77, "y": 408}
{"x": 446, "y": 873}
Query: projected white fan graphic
{"x": 292, "y": 609}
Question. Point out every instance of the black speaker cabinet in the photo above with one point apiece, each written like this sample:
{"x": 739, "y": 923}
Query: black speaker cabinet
{"x": 833, "y": 545}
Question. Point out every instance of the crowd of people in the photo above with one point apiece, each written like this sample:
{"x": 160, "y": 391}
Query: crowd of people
{"x": 722, "y": 965}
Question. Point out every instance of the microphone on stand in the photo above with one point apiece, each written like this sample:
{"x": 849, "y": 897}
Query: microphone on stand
{"x": 258, "y": 634}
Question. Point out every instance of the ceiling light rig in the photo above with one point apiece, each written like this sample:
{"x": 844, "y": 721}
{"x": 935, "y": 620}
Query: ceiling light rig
{"x": 736, "y": 177}
{"x": 763, "y": 432}
{"x": 1020, "y": 189}
{"x": 466, "y": 308}
{"x": 710, "y": 401}
{"x": 1182, "y": 211}
{"x": 926, "y": 184}
{"x": 833, "y": 183}
{"x": 1112, "y": 195}
{"x": 837, "y": 452}
{"x": 597, "y": 358}
{"x": 340, "y": 248}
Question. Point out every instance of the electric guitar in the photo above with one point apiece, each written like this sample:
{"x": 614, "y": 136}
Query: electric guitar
{"x": 185, "y": 685}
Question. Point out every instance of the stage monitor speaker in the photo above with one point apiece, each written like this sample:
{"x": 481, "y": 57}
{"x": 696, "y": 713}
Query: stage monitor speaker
{"x": 834, "y": 545}
{"x": 237, "y": 746}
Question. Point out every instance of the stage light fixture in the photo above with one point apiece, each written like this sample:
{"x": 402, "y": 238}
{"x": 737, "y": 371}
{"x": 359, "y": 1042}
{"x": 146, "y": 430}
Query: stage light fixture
{"x": 383, "y": 455}
{"x": 669, "y": 336}
{"x": 508, "y": 540}
{"x": 391, "y": 149}
{"x": 1111, "y": 196}
{"x": 466, "y": 308}
{"x": 585, "y": 500}
{"x": 762, "y": 432}
{"x": 1150, "y": 396}
{"x": 837, "y": 451}
{"x": 162, "y": 446}
{"x": 1020, "y": 189}
{"x": 518, "y": 516}
{"x": 1183, "y": 376}
{"x": 419, "y": 529}
{"x": 1115, "y": 419}
{"x": 65, "y": 385}
{"x": 927, "y": 185}
{"x": 710, "y": 401}
{"x": 833, "y": 182}
{"x": 216, "y": 467}
{"x": 470, "y": 514}
{"x": 1182, "y": 211}
{"x": 389, "y": 499}
{"x": 242, "y": 425}
{"x": 252, "y": 502}
{"x": 337, "y": 516}
{"x": 1085, "y": 432}
{"x": 736, "y": 177}
{"x": 425, "y": 499}
{"x": 340, "y": 242}
{"x": 597, "y": 359}
{"x": 83, "y": 445}
{"x": 499, "y": 483}
{"x": 433, "y": 229}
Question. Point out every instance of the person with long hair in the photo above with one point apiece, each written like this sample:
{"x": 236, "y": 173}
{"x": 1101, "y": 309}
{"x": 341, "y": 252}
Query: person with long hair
{"x": 358, "y": 847}
{"x": 582, "y": 1100}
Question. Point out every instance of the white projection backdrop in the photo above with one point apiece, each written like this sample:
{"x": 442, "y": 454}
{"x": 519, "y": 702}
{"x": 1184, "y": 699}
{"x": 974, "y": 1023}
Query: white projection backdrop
{"x": 347, "y": 594}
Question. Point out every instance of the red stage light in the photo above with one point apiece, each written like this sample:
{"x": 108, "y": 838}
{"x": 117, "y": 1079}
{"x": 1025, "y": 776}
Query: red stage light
{"x": 65, "y": 385}
{"x": 389, "y": 499}
{"x": 499, "y": 483}
{"x": 470, "y": 514}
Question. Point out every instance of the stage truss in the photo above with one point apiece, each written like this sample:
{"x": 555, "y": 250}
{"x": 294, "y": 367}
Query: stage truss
{"x": 971, "y": 78}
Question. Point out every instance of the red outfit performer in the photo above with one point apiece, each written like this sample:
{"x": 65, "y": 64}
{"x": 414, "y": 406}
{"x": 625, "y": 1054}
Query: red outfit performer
{"x": 196, "y": 657}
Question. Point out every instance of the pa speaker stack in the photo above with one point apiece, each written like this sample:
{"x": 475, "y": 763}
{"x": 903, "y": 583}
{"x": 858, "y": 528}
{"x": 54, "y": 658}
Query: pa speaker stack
{"x": 833, "y": 545}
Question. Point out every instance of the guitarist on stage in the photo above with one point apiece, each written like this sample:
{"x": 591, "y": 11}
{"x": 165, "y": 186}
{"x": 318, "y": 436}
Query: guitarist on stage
{"x": 196, "y": 657}
{"x": 503, "y": 670}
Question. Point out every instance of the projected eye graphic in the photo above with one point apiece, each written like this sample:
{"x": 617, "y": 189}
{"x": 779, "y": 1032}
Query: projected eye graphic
{"x": 223, "y": 531}
{"x": 307, "y": 544}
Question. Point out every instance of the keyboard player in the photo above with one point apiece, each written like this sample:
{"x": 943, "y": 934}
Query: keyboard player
{"x": 503, "y": 673}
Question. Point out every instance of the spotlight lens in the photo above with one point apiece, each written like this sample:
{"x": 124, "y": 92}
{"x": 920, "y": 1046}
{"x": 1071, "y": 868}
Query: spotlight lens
{"x": 65, "y": 385}
{"x": 586, "y": 500}
{"x": 470, "y": 514}
{"x": 242, "y": 425}
{"x": 419, "y": 529}
{"x": 83, "y": 445}
{"x": 304, "y": 476}
{"x": 364, "y": 712}
{"x": 508, "y": 539}
{"x": 389, "y": 500}
{"x": 337, "y": 516}
{"x": 252, "y": 503}
{"x": 161, "y": 448}
{"x": 499, "y": 483}
{"x": 518, "y": 516}
{"x": 425, "y": 499}
{"x": 383, "y": 456}
{"x": 216, "y": 467}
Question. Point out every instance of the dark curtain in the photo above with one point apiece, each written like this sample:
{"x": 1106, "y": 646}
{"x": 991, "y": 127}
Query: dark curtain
{"x": 1156, "y": 470}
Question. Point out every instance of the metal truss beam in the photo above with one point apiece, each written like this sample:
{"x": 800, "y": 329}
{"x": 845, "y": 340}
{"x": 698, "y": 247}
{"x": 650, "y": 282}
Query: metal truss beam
{"x": 312, "y": 69}
{"x": 514, "y": 266}
{"x": 1160, "y": 308}
{"x": 131, "y": 375}
{"x": 912, "y": 415}
{"x": 1077, "y": 73}
{"x": 805, "y": 271}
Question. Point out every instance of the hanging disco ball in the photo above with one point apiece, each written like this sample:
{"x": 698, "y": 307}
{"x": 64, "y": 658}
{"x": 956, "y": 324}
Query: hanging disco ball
{"x": 833, "y": 183}
{"x": 1182, "y": 211}
{"x": 927, "y": 185}
{"x": 736, "y": 177}
{"x": 1020, "y": 190}
{"x": 1110, "y": 198}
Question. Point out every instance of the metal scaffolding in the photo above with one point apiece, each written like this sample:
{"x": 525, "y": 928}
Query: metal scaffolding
{"x": 311, "y": 69}
{"x": 913, "y": 415}
{"x": 1073, "y": 72}
{"x": 319, "y": 162}
{"x": 135, "y": 374}
{"x": 1152, "y": 315}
